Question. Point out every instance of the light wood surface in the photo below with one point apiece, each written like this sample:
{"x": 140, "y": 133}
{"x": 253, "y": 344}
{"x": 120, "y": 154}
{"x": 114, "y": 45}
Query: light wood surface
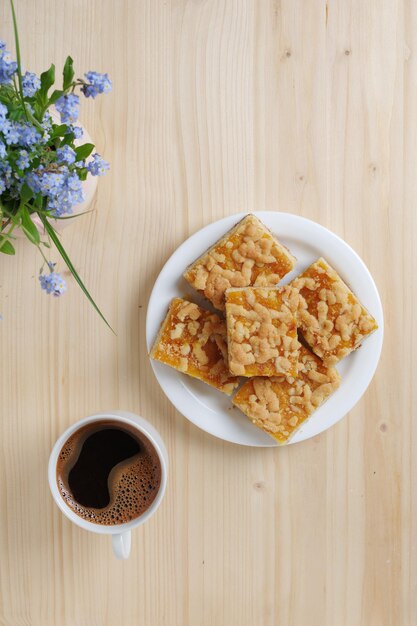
{"x": 219, "y": 106}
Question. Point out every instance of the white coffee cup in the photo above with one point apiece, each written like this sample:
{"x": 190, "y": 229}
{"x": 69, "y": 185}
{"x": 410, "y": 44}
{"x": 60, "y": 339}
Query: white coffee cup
{"x": 121, "y": 533}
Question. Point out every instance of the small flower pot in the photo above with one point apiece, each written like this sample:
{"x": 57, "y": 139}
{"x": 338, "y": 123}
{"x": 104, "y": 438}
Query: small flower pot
{"x": 89, "y": 186}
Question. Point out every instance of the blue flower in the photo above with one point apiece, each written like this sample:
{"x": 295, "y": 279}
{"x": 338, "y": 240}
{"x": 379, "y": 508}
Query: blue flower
{"x": 45, "y": 183}
{"x": 65, "y": 155}
{"x": 70, "y": 193}
{"x": 97, "y": 166}
{"x": 68, "y": 106}
{"x": 7, "y": 67}
{"x": 51, "y": 183}
{"x": 53, "y": 283}
{"x": 33, "y": 180}
{"x": 45, "y": 137}
{"x": 30, "y": 84}
{"x": 46, "y": 124}
{"x": 23, "y": 160}
{"x": 2, "y": 150}
{"x": 62, "y": 188}
{"x": 47, "y": 121}
{"x": 11, "y": 132}
{"x": 29, "y": 135}
{"x": 98, "y": 83}
{"x": 2, "y": 186}
{"x": 15, "y": 133}
{"x": 3, "y": 112}
{"x": 6, "y": 173}
{"x": 78, "y": 132}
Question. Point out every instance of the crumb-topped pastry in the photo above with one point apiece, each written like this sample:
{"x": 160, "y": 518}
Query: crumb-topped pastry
{"x": 279, "y": 405}
{"x": 193, "y": 340}
{"x": 334, "y": 322}
{"x": 262, "y": 330}
{"x": 246, "y": 255}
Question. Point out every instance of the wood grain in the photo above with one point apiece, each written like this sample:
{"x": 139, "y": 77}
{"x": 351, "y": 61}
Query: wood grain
{"x": 219, "y": 106}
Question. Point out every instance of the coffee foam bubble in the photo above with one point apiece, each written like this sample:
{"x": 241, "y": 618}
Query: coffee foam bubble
{"x": 133, "y": 484}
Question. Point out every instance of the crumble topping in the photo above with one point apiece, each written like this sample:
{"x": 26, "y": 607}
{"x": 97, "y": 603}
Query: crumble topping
{"x": 262, "y": 330}
{"x": 333, "y": 322}
{"x": 247, "y": 255}
{"x": 280, "y": 404}
{"x": 193, "y": 340}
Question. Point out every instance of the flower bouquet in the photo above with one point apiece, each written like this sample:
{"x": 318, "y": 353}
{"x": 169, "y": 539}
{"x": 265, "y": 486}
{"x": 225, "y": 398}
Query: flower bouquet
{"x": 42, "y": 165}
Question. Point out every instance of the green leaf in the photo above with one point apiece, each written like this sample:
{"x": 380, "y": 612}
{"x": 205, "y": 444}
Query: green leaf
{"x": 29, "y": 227}
{"x": 47, "y": 80}
{"x": 35, "y": 163}
{"x": 8, "y": 206}
{"x": 56, "y": 94}
{"x": 6, "y": 247}
{"x": 41, "y": 96}
{"x": 59, "y": 131}
{"x": 26, "y": 193}
{"x": 38, "y": 201}
{"x": 7, "y": 94}
{"x": 32, "y": 118}
{"x": 82, "y": 152}
{"x": 67, "y": 139}
{"x": 16, "y": 115}
{"x": 70, "y": 266}
{"x": 68, "y": 74}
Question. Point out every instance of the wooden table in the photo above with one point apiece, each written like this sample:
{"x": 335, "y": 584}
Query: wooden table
{"x": 219, "y": 107}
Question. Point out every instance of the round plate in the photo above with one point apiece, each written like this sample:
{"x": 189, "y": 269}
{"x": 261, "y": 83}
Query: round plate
{"x": 212, "y": 410}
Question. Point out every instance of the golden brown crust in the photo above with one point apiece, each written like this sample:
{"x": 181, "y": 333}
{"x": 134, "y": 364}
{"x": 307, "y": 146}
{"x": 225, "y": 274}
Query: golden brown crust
{"x": 262, "y": 330}
{"x": 280, "y": 404}
{"x": 333, "y": 321}
{"x": 193, "y": 340}
{"x": 246, "y": 255}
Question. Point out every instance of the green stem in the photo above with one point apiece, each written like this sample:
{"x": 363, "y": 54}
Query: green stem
{"x": 9, "y": 232}
{"x": 65, "y": 217}
{"x": 34, "y": 121}
{"x": 43, "y": 256}
{"x": 16, "y": 87}
{"x": 44, "y": 110}
{"x": 76, "y": 83}
{"x": 19, "y": 64}
{"x": 52, "y": 234}
{"x": 4, "y": 225}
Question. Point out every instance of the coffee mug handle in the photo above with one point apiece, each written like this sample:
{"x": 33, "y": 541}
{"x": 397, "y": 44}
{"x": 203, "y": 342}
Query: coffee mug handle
{"x": 121, "y": 544}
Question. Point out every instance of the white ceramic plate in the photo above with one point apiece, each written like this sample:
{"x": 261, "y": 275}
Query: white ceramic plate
{"x": 212, "y": 410}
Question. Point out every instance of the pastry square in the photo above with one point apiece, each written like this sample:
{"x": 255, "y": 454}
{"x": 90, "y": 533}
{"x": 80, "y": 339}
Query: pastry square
{"x": 248, "y": 254}
{"x": 262, "y": 330}
{"x": 279, "y": 405}
{"x": 333, "y": 321}
{"x": 193, "y": 340}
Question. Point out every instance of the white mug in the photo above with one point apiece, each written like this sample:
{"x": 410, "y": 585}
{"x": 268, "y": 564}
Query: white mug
{"x": 121, "y": 533}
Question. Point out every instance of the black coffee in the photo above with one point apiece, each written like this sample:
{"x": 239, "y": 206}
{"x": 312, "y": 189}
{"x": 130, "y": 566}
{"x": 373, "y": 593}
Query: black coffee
{"x": 108, "y": 472}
